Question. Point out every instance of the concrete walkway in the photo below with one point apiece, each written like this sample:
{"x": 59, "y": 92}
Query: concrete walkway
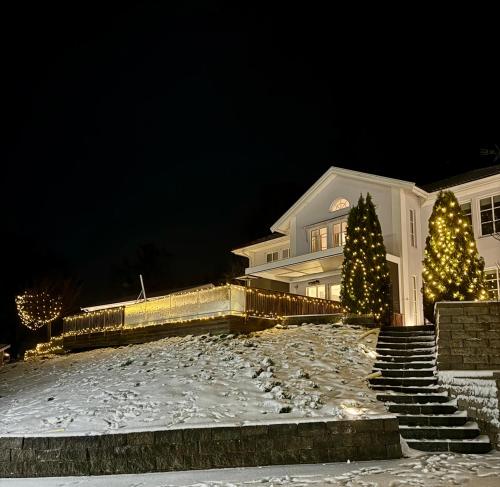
{"x": 426, "y": 470}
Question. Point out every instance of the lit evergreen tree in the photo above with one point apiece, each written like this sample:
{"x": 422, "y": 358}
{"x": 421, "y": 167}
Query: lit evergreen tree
{"x": 365, "y": 274}
{"x": 377, "y": 267}
{"x": 453, "y": 269}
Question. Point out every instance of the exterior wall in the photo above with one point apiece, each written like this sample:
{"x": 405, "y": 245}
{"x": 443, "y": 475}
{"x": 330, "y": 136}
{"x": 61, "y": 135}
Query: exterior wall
{"x": 300, "y": 287}
{"x": 259, "y": 257}
{"x": 202, "y": 446}
{"x": 468, "y": 335}
{"x": 317, "y": 210}
{"x": 412, "y": 256}
{"x": 262, "y": 283}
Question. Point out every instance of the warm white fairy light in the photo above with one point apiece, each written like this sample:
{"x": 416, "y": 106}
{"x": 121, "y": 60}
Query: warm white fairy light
{"x": 37, "y": 309}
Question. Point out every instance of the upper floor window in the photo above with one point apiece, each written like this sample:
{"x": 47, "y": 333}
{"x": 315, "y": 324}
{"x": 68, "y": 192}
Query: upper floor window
{"x": 319, "y": 239}
{"x": 492, "y": 281}
{"x": 272, "y": 256}
{"x": 339, "y": 204}
{"x": 285, "y": 253}
{"x": 490, "y": 214}
{"x": 413, "y": 228}
{"x": 467, "y": 211}
{"x": 339, "y": 231}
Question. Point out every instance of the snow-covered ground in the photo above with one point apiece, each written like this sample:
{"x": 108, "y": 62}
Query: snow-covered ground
{"x": 438, "y": 470}
{"x": 310, "y": 370}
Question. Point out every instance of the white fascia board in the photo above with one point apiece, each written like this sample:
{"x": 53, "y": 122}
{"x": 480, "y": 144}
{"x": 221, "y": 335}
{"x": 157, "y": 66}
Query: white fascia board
{"x": 282, "y": 224}
{"x": 268, "y": 244}
{"x": 467, "y": 189}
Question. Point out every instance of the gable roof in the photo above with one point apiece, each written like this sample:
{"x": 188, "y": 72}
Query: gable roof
{"x": 282, "y": 223}
{"x": 463, "y": 178}
{"x": 272, "y": 236}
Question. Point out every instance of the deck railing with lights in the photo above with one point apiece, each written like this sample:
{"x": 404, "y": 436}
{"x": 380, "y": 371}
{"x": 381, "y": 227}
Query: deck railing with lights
{"x": 201, "y": 304}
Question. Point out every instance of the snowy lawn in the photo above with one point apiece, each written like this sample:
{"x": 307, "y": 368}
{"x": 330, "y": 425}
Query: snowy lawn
{"x": 310, "y": 370}
{"x": 440, "y": 470}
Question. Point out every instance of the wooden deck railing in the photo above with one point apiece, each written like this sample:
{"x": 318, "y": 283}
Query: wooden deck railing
{"x": 265, "y": 303}
{"x": 229, "y": 300}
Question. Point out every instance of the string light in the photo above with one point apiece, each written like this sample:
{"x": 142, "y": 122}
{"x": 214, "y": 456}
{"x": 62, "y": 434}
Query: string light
{"x": 365, "y": 273}
{"x": 37, "y": 309}
{"x": 254, "y": 303}
{"x": 452, "y": 267}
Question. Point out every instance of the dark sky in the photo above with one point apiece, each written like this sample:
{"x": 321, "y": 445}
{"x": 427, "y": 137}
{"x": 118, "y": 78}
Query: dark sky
{"x": 192, "y": 127}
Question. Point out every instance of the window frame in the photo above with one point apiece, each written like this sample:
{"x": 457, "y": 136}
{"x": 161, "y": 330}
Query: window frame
{"x": 490, "y": 197}
{"x": 337, "y": 201}
{"x": 413, "y": 227}
{"x": 320, "y": 238}
{"x": 471, "y": 219}
{"x": 341, "y": 234}
{"x": 316, "y": 286}
{"x": 497, "y": 272}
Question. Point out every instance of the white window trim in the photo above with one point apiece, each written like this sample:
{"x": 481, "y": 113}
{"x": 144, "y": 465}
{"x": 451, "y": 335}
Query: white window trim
{"x": 478, "y": 207}
{"x": 498, "y": 279}
{"x": 460, "y": 203}
{"x": 336, "y": 201}
{"x": 413, "y": 227}
{"x": 311, "y": 238}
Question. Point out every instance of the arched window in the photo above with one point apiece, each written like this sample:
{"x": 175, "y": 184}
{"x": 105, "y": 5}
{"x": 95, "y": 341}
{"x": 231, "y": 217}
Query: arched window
{"x": 339, "y": 204}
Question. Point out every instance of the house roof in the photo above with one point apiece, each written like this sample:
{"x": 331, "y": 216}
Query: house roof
{"x": 272, "y": 236}
{"x": 463, "y": 178}
{"x": 282, "y": 223}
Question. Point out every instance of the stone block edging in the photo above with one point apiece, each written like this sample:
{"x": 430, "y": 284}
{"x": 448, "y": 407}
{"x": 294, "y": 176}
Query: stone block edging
{"x": 202, "y": 446}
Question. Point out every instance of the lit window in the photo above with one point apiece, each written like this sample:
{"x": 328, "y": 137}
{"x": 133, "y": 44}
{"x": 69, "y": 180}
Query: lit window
{"x": 492, "y": 281}
{"x": 318, "y": 291}
{"x": 339, "y": 231}
{"x": 319, "y": 239}
{"x": 413, "y": 228}
{"x": 467, "y": 211}
{"x": 339, "y": 204}
{"x": 285, "y": 253}
{"x": 335, "y": 292}
{"x": 490, "y": 214}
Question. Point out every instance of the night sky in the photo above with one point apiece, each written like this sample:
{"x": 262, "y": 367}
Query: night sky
{"x": 187, "y": 131}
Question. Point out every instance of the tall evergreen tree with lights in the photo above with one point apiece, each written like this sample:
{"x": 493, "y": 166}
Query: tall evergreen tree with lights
{"x": 377, "y": 267}
{"x": 453, "y": 269}
{"x": 365, "y": 274}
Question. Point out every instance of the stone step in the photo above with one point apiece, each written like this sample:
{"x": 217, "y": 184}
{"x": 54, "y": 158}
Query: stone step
{"x": 407, "y": 389}
{"x": 389, "y": 333}
{"x": 385, "y": 352}
{"x": 401, "y": 373}
{"x": 406, "y": 346}
{"x": 405, "y": 381}
{"x": 440, "y": 397}
{"x": 449, "y": 407}
{"x": 412, "y": 339}
{"x": 404, "y": 365}
{"x": 468, "y": 431}
{"x": 407, "y": 329}
{"x": 456, "y": 419}
{"x": 405, "y": 358}
{"x": 481, "y": 444}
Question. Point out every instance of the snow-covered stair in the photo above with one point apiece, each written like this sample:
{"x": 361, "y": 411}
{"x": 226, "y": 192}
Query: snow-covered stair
{"x": 429, "y": 420}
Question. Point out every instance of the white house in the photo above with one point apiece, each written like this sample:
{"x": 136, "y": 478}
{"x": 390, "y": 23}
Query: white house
{"x": 304, "y": 253}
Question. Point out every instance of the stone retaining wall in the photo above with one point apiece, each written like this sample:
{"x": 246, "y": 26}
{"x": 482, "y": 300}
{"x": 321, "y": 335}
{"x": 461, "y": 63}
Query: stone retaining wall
{"x": 480, "y": 396}
{"x": 202, "y": 447}
{"x": 468, "y": 335}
